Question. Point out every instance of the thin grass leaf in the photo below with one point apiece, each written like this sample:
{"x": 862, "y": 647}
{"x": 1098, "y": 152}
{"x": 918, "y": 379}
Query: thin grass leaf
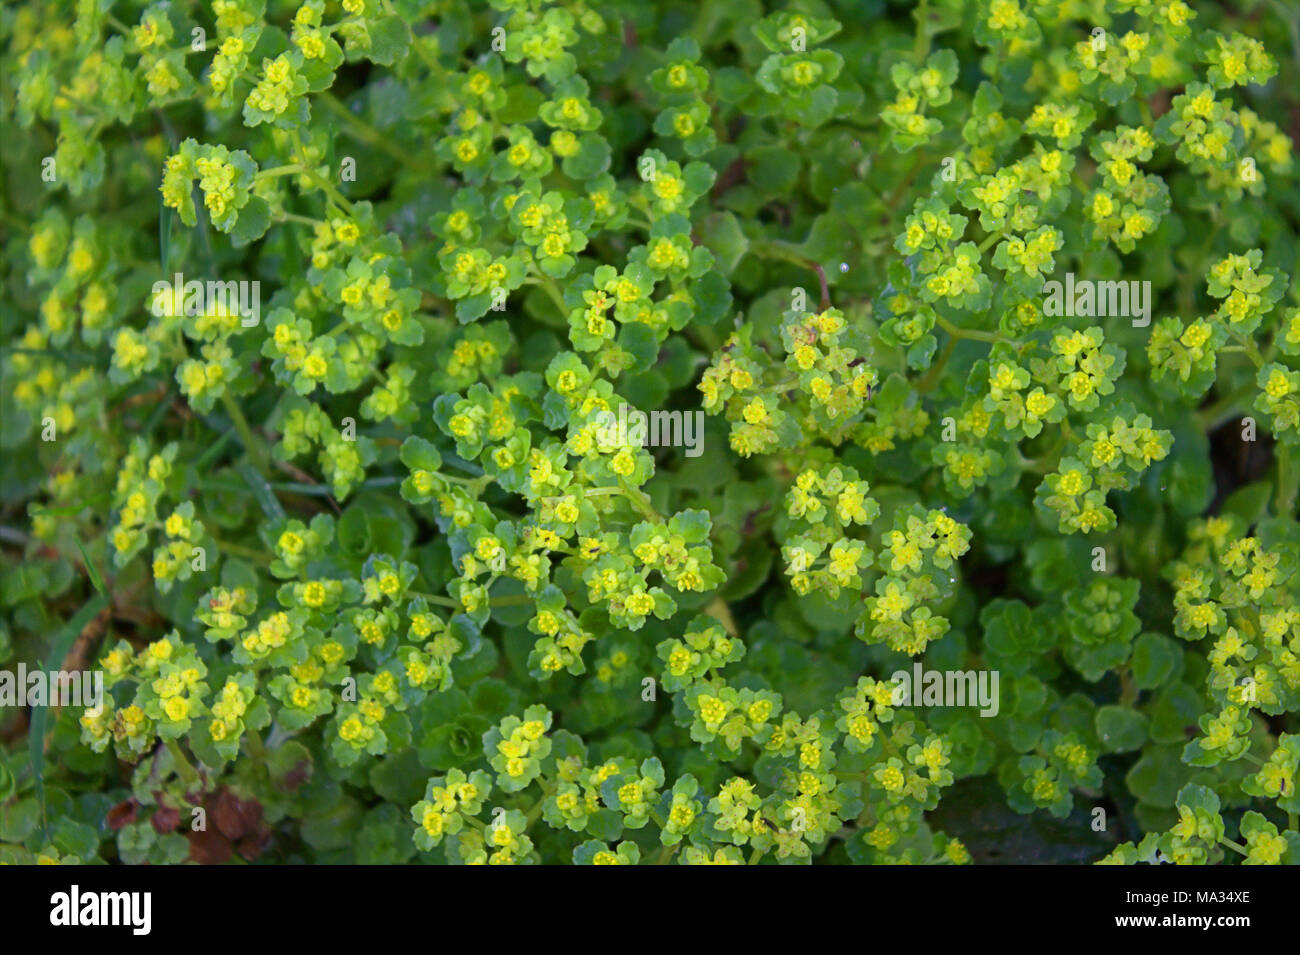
{"x": 266, "y": 499}
{"x": 40, "y": 714}
{"x": 92, "y": 571}
{"x": 164, "y": 238}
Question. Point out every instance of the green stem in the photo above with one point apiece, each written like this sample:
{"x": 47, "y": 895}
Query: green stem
{"x": 785, "y": 384}
{"x": 897, "y": 195}
{"x": 363, "y": 131}
{"x": 990, "y": 239}
{"x": 548, "y": 285}
{"x": 429, "y": 59}
{"x": 932, "y": 376}
{"x": 922, "y": 45}
{"x": 509, "y": 600}
{"x": 252, "y": 445}
{"x": 785, "y": 252}
{"x": 184, "y": 768}
{"x": 213, "y": 450}
{"x": 240, "y": 551}
{"x": 974, "y": 334}
{"x": 476, "y": 485}
{"x": 301, "y": 220}
{"x": 322, "y": 184}
{"x": 435, "y": 599}
{"x": 1249, "y": 347}
{"x": 1128, "y": 693}
{"x": 1288, "y": 481}
{"x": 1234, "y": 846}
{"x": 719, "y": 610}
{"x": 255, "y": 747}
{"x": 535, "y": 812}
{"x": 288, "y": 169}
{"x": 641, "y": 501}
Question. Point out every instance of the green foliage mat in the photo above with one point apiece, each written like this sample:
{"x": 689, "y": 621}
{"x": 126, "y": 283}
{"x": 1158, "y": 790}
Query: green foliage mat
{"x": 517, "y": 431}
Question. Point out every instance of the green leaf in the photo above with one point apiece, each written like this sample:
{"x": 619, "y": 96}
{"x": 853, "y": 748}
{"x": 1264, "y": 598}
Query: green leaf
{"x": 1196, "y": 797}
{"x": 254, "y": 219}
{"x": 19, "y": 820}
{"x": 1120, "y": 729}
{"x": 591, "y": 159}
{"x": 418, "y": 453}
{"x": 712, "y": 297}
{"x": 721, "y": 234}
{"x": 390, "y": 38}
{"x": 641, "y": 342}
{"x": 522, "y": 103}
{"x": 772, "y": 170}
{"x": 1250, "y": 502}
{"x": 1154, "y": 660}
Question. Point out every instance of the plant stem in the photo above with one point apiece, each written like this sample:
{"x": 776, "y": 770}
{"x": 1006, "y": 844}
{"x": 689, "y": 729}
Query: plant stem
{"x": 990, "y": 239}
{"x": 1288, "y": 481}
{"x": 719, "y": 610}
{"x": 435, "y": 599}
{"x": 1128, "y": 693}
{"x": 363, "y": 131}
{"x": 974, "y": 334}
{"x": 251, "y": 444}
{"x": 301, "y": 220}
{"x": 922, "y": 45}
{"x": 1248, "y": 346}
{"x": 785, "y": 384}
{"x": 288, "y": 169}
{"x": 241, "y": 551}
{"x": 184, "y": 768}
{"x": 255, "y": 747}
{"x": 548, "y": 285}
{"x": 1214, "y": 415}
{"x": 641, "y": 501}
{"x": 932, "y": 376}
{"x": 326, "y": 187}
{"x": 1234, "y": 846}
{"x": 785, "y": 252}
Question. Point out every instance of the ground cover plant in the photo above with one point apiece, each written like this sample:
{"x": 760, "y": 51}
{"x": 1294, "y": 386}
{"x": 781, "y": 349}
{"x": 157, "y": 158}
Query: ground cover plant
{"x": 650, "y": 432}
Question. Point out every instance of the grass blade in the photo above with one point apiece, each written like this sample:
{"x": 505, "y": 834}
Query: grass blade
{"x": 40, "y": 714}
{"x": 92, "y": 571}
